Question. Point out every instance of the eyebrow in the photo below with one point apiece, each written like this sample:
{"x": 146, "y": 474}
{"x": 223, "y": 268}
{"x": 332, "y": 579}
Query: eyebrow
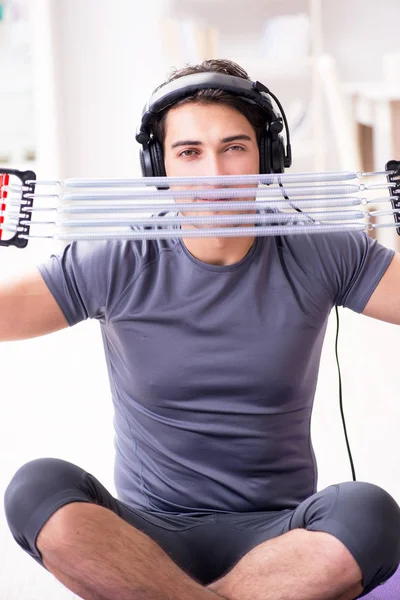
{"x": 225, "y": 140}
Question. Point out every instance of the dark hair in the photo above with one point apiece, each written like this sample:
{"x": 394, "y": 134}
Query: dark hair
{"x": 254, "y": 114}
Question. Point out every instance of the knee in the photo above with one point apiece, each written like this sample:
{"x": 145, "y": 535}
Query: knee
{"x": 378, "y": 514}
{"x": 34, "y": 486}
{"x": 373, "y": 514}
{"x": 374, "y": 521}
{"x": 60, "y": 529}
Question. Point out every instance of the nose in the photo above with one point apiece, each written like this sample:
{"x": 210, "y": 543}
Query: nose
{"x": 214, "y": 165}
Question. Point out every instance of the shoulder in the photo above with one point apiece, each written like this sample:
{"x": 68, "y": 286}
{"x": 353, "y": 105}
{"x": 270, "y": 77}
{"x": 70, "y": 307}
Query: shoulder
{"x": 114, "y": 253}
{"x": 321, "y": 244}
{"x": 348, "y": 265}
{"x": 87, "y": 278}
{"x": 333, "y": 251}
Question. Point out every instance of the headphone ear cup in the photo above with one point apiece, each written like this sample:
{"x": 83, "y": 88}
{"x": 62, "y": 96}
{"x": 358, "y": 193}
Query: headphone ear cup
{"x": 277, "y": 154}
{"x": 142, "y": 162}
{"x": 157, "y": 158}
{"x": 265, "y": 153}
{"x": 152, "y": 159}
{"x": 145, "y": 161}
{"x": 157, "y": 161}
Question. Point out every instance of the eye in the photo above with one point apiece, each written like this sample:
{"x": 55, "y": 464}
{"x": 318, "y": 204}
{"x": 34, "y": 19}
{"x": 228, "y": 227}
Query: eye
{"x": 187, "y": 153}
{"x": 236, "y": 148}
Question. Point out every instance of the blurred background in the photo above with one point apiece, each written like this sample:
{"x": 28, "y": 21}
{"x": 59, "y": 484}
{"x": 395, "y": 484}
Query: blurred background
{"x": 75, "y": 75}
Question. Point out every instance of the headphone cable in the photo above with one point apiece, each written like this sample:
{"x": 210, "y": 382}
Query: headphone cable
{"x": 341, "y": 396}
{"x": 337, "y": 361}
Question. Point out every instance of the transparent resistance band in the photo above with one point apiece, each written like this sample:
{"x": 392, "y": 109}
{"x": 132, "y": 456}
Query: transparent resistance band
{"x": 223, "y": 206}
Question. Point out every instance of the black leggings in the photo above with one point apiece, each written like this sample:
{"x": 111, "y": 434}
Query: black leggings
{"x": 364, "y": 517}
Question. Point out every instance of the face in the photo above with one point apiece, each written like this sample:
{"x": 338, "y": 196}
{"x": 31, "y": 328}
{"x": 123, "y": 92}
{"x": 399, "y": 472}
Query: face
{"x": 209, "y": 139}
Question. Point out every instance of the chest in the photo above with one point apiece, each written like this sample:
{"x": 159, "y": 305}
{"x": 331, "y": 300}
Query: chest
{"x": 230, "y": 339}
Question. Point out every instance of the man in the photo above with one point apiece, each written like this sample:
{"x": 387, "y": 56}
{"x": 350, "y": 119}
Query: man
{"x": 213, "y": 347}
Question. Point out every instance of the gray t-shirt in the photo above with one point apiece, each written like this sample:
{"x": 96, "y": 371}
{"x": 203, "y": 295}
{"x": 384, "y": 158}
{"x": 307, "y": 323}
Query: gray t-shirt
{"x": 213, "y": 369}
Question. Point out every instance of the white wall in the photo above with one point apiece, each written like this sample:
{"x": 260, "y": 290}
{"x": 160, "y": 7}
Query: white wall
{"x": 365, "y": 28}
{"x": 108, "y": 57}
{"x": 55, "y": 390}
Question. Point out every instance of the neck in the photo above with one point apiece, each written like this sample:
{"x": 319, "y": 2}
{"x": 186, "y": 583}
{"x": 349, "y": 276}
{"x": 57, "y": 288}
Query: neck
{"x": 219, "y": 251}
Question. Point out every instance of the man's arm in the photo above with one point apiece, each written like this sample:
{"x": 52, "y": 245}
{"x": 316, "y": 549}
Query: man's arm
{"x": 28, "y": 309}
{"x": 384, "y": 303}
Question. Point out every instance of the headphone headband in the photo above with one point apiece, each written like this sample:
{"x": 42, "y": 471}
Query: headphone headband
{"x": 183, "y": 87}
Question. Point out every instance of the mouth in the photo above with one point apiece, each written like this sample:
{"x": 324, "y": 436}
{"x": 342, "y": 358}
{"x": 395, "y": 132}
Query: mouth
{"x": 213, "y": 200}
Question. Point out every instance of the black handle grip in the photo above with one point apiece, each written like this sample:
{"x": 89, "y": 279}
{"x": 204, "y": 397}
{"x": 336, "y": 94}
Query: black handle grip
{"x": 28, "y": 188}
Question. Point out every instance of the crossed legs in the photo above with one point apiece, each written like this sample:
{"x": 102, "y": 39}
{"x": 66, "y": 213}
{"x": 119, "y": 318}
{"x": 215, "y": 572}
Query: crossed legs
{"x": 100, "y": 557}
{"x": 331, "y": 546}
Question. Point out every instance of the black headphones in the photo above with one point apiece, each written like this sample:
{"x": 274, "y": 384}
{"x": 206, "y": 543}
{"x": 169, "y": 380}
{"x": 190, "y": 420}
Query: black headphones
{"x": 273, "y": 157}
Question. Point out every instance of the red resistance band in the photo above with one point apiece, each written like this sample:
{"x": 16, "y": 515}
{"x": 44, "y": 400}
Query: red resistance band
{"x": 4, "y": 181}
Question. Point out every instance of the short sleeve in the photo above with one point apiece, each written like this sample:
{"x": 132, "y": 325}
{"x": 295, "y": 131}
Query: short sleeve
{"x": 351, "y": 265}
{"x": 87, "y": 278}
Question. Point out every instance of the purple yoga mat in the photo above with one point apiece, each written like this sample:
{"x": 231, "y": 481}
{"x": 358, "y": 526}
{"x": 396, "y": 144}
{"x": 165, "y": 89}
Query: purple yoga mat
{"x": 390, "y": 590}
